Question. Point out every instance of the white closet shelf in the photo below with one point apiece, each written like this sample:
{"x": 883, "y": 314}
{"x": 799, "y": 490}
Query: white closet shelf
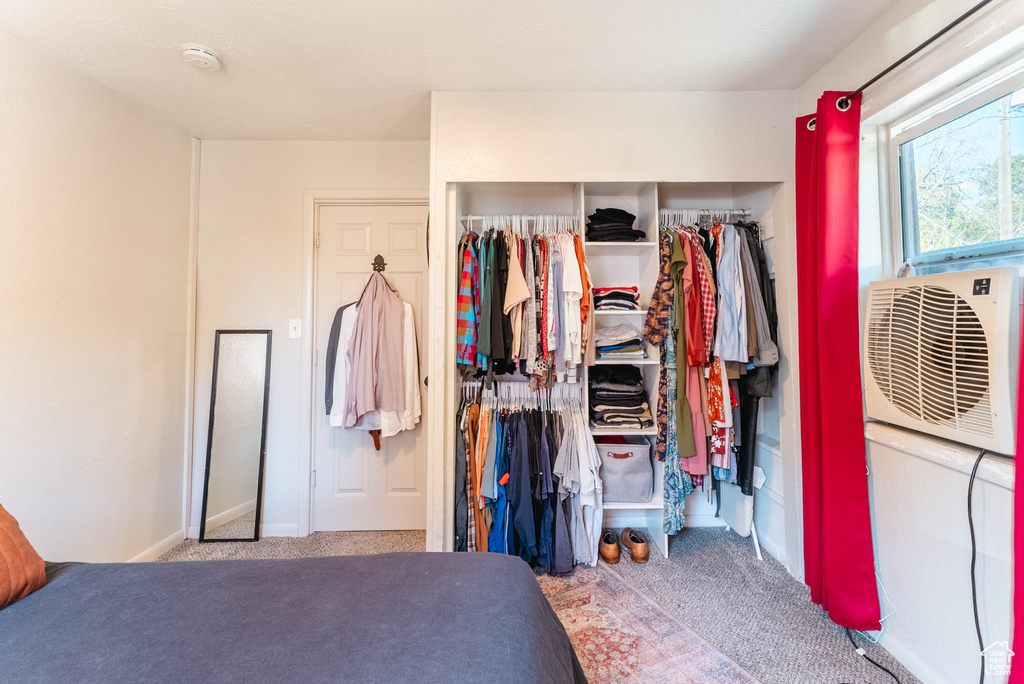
{"x": 609, "y": 312}
{"x": 627, "y": 362}
{"x": 607, "y": 431}
{"x": 654, "y": 504}
{"x": 629, "y": 248}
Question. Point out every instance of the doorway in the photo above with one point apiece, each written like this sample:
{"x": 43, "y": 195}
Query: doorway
{"x": 355, "y": 486}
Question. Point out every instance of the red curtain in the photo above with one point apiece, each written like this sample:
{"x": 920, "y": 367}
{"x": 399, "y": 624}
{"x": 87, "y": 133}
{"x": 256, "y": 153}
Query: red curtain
{"x": 839, "y": 564}
{"x": 1017, "y": 676}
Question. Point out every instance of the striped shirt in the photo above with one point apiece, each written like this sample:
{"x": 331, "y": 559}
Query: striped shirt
{"x": 467, "y": 308}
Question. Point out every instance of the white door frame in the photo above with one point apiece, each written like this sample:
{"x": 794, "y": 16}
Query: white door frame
{"x": 312, "y": 201}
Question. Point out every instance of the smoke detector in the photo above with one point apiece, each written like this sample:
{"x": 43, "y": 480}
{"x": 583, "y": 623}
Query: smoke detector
{"x": 201, "y": 57}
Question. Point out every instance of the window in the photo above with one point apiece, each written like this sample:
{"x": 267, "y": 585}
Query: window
{"x": 961, "y": 179}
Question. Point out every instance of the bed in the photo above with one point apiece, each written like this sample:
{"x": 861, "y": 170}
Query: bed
{"x": 402, "y": 617}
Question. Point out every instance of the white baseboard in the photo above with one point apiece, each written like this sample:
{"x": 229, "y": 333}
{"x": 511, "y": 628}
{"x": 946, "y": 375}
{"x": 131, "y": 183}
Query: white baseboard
{"x": 280, "y": 530}
{"x": 774, "y": 550}
{"x": 159, "y": 549}
{"x": 703, "y": 520}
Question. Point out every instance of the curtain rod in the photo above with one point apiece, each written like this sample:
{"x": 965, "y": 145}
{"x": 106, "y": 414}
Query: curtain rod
{"x": 844, "y": 102}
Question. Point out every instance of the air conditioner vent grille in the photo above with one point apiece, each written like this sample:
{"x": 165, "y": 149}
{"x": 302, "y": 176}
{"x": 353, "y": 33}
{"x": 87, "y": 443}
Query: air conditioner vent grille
{"x": 928, "y": 354}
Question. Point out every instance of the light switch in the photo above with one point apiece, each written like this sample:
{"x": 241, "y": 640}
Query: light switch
{"x": 295, "y": 328}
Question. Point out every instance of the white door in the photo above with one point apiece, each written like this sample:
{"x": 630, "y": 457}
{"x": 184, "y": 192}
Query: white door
{"x": 356, "y": 486}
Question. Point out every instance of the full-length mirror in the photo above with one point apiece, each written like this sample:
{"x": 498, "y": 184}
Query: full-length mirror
{"x": 237, "y": 438}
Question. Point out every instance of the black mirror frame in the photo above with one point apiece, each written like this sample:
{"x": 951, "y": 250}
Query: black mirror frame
{"x": 263, "y": 437}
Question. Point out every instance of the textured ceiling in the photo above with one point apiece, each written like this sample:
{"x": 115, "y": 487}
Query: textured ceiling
{"x": 347, "y": 70}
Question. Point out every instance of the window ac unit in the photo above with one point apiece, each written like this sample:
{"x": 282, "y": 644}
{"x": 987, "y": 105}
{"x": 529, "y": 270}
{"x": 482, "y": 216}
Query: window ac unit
{"x": 941, "y": 354}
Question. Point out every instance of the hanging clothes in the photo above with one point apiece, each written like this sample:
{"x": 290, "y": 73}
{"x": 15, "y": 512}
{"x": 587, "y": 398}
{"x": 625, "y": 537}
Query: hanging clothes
{"x": 462, "y": 487}
{"x": 760, "y": 380}
{"x": 331, "y": 358}
{"x": 656, "y": 329}
{"x": 468, "y": 306}
{"x": 516, "y": 293}
{"x": 572, "y": 286}
{"x": 682, "y": 289}
{"x": 525, "y": 300}
{"x": 375, "y": 353}
{"x": 712, "y": 313}
{"x": 530, "y": 345}
{"x": 389, "y": 422}
{"x": 577, "y": 468}
{"x": 731, "y": 340}
{"x": 768, "y": 353}
{"x": 677, "y": 483}
{"x": 540, "y": 479}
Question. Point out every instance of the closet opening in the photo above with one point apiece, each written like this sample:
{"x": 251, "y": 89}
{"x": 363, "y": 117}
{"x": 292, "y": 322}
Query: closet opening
{"x": 608, "y": 399}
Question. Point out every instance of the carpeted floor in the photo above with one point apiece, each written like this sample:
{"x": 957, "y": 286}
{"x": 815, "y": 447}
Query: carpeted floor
{"x": 752, "y": 611}
{"x": 315, "y": 545}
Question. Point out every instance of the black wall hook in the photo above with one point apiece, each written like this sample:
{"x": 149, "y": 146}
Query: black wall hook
{"x": 378, "y": 264}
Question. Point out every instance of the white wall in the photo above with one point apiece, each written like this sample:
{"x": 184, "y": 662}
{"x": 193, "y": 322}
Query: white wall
{"x": 612, "y": 136}
{"x": 94, "y": 202}
{"x": 923, "y": 551}
{"x": 251, "y": 276}
{"x": 908, "y": 24}
{"x": 581, "y": 136}
{"x": 919, "y": 518}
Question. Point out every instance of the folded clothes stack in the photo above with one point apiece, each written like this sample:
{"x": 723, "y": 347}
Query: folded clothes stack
{"x": 620, "y": 342}
{"x": 616, "y": 299}
{"x": 613, "y": 225}
{"x": 618, "y": 398}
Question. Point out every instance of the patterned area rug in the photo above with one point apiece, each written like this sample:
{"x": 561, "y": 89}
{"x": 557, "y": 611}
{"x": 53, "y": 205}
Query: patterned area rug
{"x": 622, "y": 637}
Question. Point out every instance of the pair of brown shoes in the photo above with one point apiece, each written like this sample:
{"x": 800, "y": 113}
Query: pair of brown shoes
{"x": 634, "y": 544}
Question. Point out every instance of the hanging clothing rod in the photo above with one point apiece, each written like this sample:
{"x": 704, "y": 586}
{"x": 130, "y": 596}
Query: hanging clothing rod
{"x": 511, "y": 393}
{"x": 521, "y": 217}
{"x": 711, "y": 212}
{"x": 522, "y": 224}
{"x": 843, "y": 102}
{"x": 679, "y": 217}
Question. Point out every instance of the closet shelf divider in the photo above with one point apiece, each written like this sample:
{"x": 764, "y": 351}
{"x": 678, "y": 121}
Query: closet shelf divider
{"x": 657, "y": 503}
{"x": 611, "y": 312}
{"x": 599, "y": 431}
{"x": 598, "y": 248}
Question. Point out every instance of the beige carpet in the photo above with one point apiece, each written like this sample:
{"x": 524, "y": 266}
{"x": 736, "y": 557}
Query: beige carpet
{"x": 316, "y": 544}
{"x": 754, "y": 612}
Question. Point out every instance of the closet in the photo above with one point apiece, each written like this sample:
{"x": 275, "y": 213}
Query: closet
{"x": 615, "y": 264}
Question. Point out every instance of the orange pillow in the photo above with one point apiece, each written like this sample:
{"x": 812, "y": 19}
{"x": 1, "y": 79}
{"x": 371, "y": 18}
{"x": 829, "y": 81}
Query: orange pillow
{"x": 22, "y": 570}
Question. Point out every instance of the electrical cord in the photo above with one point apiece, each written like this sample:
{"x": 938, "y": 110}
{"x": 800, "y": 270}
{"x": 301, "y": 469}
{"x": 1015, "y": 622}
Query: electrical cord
{"x": 974, "y": 580}
{"x": 862, "y": 652}
{"x": 974, "y": 560}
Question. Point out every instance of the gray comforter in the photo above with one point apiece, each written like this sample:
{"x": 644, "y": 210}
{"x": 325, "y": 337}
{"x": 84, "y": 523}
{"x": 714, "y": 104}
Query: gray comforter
{"x": 403, "y": 617}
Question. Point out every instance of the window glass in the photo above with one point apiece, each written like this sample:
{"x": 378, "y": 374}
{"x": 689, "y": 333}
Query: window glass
{"x": 962, "y": 185}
